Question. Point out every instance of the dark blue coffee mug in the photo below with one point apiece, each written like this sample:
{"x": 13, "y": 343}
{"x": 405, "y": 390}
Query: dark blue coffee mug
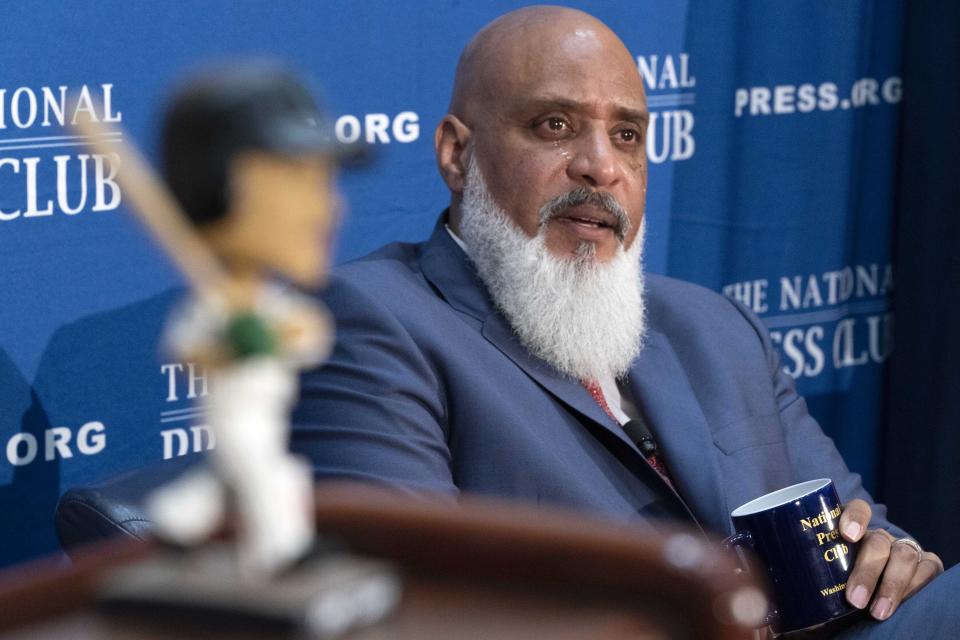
{"x": 796, "y": 533}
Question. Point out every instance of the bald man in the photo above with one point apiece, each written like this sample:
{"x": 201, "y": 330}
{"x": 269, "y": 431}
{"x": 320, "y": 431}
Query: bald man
{"x": 521, "y": 352}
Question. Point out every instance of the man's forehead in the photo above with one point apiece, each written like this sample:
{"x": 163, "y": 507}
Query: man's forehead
{"x": 536, "y": 54}
{"x": 599, "y": 83}
{"x": 583, "y": 68}
{"x": 597, "y": 106}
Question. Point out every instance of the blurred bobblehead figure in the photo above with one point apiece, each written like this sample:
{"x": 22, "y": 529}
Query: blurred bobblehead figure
{"x": 250, "y": 159}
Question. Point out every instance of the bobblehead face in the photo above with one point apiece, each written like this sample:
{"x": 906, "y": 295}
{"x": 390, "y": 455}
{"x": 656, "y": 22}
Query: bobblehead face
{"x": 282, "y": 211}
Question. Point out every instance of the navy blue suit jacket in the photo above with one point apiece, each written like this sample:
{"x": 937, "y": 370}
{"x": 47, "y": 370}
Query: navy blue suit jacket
{"x": 428, "y": 390}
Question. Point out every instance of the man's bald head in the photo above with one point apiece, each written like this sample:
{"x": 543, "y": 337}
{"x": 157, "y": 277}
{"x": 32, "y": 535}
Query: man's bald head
{"x": 548, "y": 106}
{"x": 520, "y": 43}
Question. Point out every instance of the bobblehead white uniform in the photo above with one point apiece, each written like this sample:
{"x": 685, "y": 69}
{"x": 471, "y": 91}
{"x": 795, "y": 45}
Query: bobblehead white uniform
{"x": 248, "y": 411}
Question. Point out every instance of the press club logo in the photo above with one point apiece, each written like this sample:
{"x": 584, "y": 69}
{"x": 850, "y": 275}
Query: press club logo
{"x": 826, "y": 321}
{"x": 56, "y": 443}
{"x": 378, "y": 128}
{"x": 46, "y": 171}
{"x": 184, "y": 421}
{"x": 670, "y": 86}
{"x": 812, "y": 97}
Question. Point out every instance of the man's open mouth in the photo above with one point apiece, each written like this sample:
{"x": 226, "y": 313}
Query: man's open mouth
{"x": 589, "y": 222}
{"x": 590, "y": 217}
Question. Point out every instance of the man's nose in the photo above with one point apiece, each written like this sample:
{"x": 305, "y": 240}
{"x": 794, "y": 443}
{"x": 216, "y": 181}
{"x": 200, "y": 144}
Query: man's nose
{"x": 594, "y": 162}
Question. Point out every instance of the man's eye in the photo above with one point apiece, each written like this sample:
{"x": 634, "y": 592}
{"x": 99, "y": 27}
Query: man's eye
{"x": 554, "y": 125}
{"x": 630, "y": 136}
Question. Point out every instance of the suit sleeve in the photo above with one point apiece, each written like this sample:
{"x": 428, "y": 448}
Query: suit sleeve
{"x": 812, "y": 453}
{"x": 375, "y": 411}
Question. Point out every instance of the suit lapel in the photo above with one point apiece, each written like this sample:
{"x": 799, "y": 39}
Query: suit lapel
{"x": 447, "y": 267}
{"x": 663, "y": 394}
{"x": 570, "y": 392}
{"x": 673, "y": 411}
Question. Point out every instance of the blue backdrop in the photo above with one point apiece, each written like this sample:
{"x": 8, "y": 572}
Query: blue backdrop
{"x": 773, "y": 150}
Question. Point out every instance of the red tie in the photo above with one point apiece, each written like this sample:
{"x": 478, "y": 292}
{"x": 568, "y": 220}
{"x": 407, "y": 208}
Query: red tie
{"x": 597, "y": 393}
{"x": 654, "y": 461}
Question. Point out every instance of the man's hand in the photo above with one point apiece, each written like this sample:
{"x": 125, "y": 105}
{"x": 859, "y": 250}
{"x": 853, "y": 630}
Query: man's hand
{"x": 887, "y": 570}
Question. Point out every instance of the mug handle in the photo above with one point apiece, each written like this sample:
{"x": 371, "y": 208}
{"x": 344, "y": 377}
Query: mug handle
{"x": 744, "y": 539}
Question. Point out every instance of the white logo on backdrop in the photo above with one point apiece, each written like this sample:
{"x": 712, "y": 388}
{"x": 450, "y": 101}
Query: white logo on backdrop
{"x": 378, "y": 128}
{"x": 185, "y": 383}
{"x": 25, "y": 158}
{"x": 56, "y": 443}
{"x": 788, "y": 99}
{"x": 670, "y": 94}
{"x": 837, "y": 319}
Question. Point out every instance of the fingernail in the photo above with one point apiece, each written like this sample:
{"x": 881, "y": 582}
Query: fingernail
{"x": 852, "y": 531}
{"x": 859, "y": 597}
{"x": 881, "y": 608}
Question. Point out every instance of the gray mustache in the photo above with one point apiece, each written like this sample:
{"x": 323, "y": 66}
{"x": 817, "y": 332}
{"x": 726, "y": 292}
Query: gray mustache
{"x": 582, "y": 196}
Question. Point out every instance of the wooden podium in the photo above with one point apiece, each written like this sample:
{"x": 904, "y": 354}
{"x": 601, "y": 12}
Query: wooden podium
{"x": 471, "y": 569}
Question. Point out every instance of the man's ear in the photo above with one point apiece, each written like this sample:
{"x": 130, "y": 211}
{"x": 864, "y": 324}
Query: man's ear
{"x": 450, "y": 143}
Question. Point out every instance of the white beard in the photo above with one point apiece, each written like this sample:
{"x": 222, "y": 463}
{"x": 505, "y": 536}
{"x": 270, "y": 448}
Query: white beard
{"x": 583, "y": 316}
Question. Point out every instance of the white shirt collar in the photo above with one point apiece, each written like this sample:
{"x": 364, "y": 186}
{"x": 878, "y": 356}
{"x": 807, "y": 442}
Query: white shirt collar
{"x": 456, "y": 238}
